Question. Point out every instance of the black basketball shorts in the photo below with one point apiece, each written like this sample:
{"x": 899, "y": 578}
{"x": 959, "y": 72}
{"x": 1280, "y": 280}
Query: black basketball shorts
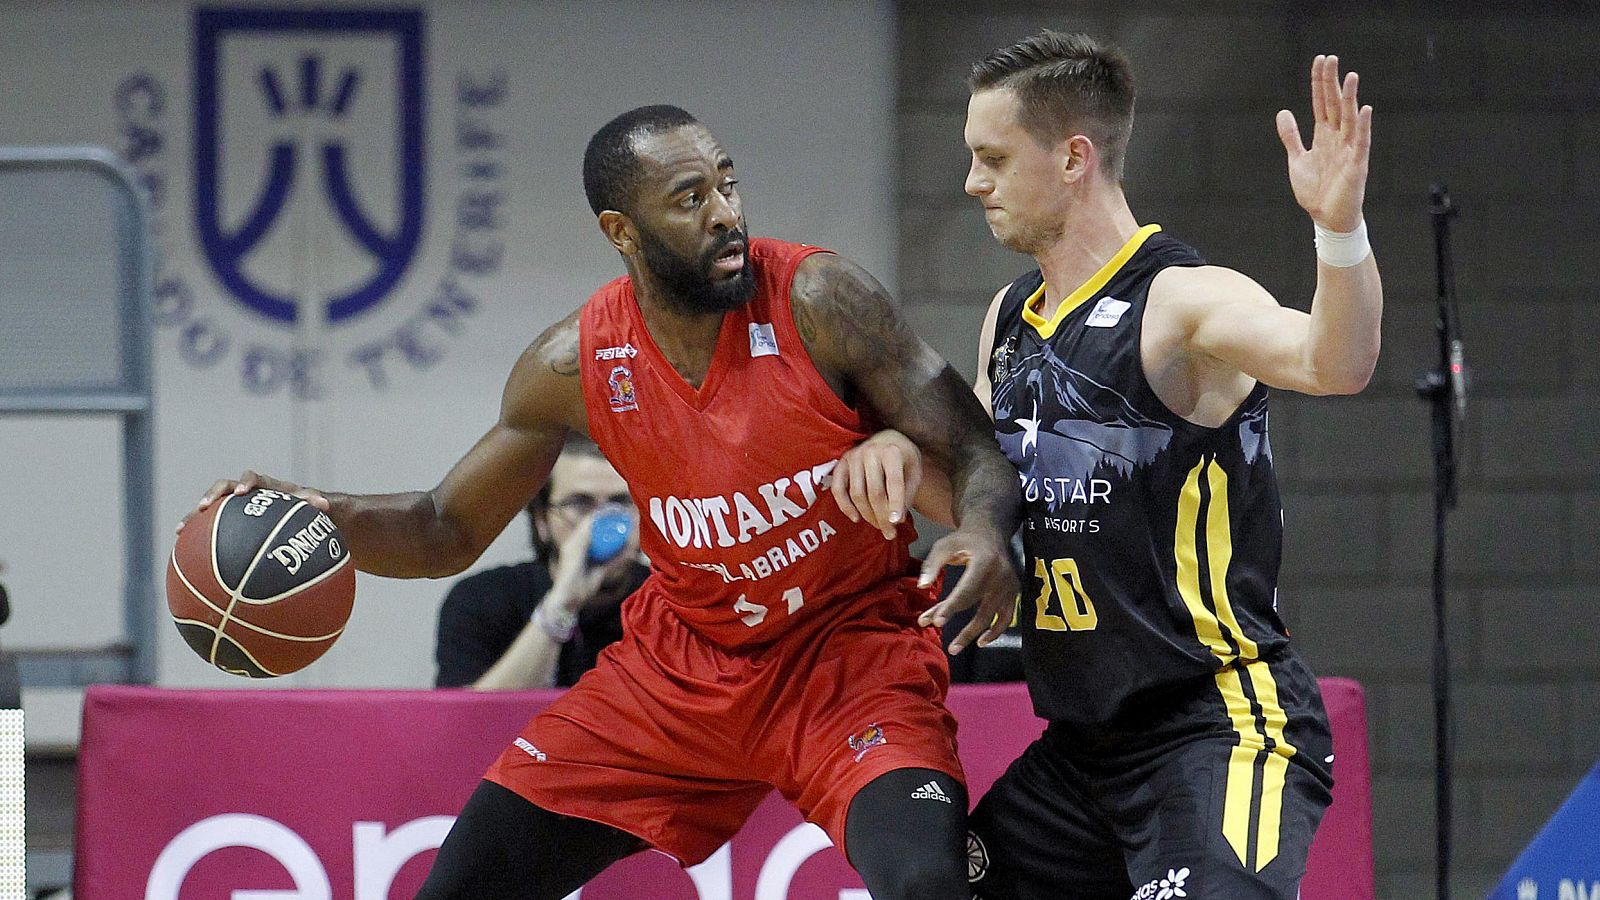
{"x": 1212, "y": 792}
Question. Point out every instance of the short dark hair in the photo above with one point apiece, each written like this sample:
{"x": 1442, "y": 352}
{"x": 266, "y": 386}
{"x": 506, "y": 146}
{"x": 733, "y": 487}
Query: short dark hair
{"x": 610, "y": 165}
{"x": 577, "y": 444}
{"x": 1066, "y": 82}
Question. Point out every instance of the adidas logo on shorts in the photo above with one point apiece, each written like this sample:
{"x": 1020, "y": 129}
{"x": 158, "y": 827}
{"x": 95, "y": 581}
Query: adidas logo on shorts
{"x": 931, "y": 791}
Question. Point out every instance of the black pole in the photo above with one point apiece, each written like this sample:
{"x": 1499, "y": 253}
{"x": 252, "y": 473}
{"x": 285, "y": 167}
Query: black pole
{"x": 1446, "y": 389}
{"x": 10, "y": 683}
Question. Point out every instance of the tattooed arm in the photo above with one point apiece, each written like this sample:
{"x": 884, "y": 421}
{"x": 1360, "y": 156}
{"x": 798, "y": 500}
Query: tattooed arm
{"x": 884, "y": 474}
{"x": 432, "y": 534}
{"x": 861, "y": 343}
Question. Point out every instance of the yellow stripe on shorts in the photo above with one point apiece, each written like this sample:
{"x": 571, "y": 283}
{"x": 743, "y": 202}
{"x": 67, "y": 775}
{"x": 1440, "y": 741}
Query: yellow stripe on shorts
{"x": 1244, "y": 812}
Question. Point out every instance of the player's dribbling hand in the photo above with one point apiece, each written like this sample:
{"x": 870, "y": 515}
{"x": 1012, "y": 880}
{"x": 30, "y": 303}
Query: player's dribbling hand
{"x": 248, "y": 482}
{"x": 876, "y": 480}
{"x": 989, "y": 583}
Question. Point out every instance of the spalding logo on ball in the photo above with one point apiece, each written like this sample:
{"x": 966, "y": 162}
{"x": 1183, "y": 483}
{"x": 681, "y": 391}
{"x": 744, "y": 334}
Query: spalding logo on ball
{"x": 260, "y": 584}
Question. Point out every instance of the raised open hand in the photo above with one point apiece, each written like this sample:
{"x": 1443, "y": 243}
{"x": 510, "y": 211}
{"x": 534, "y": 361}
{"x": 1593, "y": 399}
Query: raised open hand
{"x": 1330, "y": 178}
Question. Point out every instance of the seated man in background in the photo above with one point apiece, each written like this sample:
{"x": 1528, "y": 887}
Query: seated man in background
{"x": 541, "y": 623}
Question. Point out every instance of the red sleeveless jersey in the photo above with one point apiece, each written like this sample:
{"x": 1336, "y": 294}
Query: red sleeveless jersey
{"x": 744, "y": 545}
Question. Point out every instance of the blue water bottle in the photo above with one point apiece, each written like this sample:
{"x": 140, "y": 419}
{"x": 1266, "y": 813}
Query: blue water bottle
{"x": 609, "y": 534}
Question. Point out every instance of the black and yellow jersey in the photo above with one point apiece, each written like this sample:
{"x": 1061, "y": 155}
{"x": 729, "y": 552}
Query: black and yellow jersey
{"x": 1151, "y": 543}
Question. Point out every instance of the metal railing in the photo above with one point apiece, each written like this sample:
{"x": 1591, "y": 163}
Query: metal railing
{"x": 127, "y": 396}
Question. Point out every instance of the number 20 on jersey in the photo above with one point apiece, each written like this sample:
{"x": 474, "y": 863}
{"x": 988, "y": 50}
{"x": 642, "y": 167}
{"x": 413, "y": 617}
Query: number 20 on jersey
{"x": 1059, "y": 581}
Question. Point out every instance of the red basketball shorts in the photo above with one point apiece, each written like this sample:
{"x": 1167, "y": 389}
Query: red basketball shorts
{"x": 677, "y": 740}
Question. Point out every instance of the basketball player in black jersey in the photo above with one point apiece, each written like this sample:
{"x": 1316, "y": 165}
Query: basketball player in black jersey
{"x": 1188, "y": 753}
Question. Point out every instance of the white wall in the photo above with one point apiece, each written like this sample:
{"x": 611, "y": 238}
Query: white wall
{"x": 800, "y": 93}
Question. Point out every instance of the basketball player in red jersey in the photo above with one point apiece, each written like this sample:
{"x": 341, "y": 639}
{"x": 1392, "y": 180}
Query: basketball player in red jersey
{"x": 776, "y": 643}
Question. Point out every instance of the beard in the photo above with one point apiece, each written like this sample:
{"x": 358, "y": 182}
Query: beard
{"x": 1029, "y": 239}
{"x": 689, "y": 285}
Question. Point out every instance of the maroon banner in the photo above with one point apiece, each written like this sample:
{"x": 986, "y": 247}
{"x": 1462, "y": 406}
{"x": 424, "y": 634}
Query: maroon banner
{"x": 1340, "y": 867}
{"x": 315, "y": 795}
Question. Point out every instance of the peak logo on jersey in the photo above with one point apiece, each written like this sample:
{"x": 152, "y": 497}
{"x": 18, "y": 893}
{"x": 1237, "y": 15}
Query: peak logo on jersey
{"x": 763, "y": 340}
{"x": 622, "y": 396}
{"x": 1107, "y": 313}
{"x": 866, "y": 739}
{"x": 626, "y": 351}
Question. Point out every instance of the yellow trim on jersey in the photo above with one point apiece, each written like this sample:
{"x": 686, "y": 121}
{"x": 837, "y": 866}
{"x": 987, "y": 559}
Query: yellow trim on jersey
{"x": 1215, "y": 540}
{"x": 1244, "y": 811}
{"x": 1047, "y": 327}
{"x": 1186, "y": 548}
{"x": 1219, "y": 554}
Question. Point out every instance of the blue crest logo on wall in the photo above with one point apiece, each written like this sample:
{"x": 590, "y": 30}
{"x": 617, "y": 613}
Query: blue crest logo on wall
{"x": 311, "y": 89}
{"x": 315, "y": 251}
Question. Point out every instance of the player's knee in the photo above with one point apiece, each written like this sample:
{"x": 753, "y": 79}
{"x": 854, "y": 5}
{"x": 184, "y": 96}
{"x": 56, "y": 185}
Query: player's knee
{"x": 924, "y": 876}
{"x": 898, "y": 859}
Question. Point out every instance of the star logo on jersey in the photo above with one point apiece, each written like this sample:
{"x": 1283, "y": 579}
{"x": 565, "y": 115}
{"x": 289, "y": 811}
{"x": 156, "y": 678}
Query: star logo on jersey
{"x": 622, "y": 395}
{"x": 1030, "y": 430}
{"x": 866, "y": 739}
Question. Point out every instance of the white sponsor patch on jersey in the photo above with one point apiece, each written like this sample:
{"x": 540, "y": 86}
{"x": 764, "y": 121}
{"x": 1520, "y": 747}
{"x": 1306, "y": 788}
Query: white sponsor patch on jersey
{"x": 763, "y": 340}
{"x": 1107, "y": 312}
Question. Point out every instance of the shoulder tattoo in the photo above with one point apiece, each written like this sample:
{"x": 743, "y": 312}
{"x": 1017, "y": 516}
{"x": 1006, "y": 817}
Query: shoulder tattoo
{"x": 844, "y": 309}
{"x": 559, "y": 346}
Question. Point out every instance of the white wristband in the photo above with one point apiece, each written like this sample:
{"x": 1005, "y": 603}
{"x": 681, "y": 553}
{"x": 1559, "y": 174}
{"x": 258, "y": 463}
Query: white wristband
{"x": 559, "y": 626}
{"x": 1342, "y": 249}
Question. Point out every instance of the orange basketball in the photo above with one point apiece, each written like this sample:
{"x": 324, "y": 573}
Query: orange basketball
{"x": 260, "y": 584}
